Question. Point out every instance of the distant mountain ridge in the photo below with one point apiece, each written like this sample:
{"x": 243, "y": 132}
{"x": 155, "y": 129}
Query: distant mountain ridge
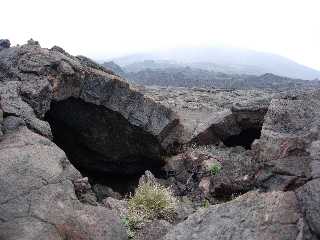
{"x": 167, "y": 74}
{"x": 191, "y": 77}
{"x": 221, "y": 59}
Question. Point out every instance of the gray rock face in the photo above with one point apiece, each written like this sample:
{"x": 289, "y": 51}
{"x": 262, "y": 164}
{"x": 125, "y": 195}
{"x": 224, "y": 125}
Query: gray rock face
{"x": 289, "y": 142}
{"x": 13, "y": 105}
{"x": 211, "y": 116}
{"x": 37, "y": 199}
{"x": 154, "y": 230}
{"x": 11, "y": 123}
{"x": 309, "y": 196}
{"x": 32, "y": 79}
{"x": 102, "y": 192}
{"x": 252, "y": 216}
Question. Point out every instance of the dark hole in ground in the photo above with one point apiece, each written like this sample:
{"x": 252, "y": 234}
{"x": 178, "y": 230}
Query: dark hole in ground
{"x": 102, "y": 144}
{"x": 244, "y": 139}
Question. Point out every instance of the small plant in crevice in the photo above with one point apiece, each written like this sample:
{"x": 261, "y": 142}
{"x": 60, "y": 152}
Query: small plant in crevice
{"x": 150, "y": 201}
{"x": 130, "y": 231}
{"x": 215, "y": 169}
{"x": 206, "y": 203}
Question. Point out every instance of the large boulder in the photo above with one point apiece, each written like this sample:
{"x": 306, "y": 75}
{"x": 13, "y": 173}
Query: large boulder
{"x": 37, "y": 199}
{"x": 289, "y": 144}
{"x": 253, "y": 216}
{"x": 309, "y": 196}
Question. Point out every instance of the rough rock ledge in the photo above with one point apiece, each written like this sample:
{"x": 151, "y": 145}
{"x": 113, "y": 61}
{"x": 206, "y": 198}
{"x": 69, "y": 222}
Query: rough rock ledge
{"x": 104, "y": 115}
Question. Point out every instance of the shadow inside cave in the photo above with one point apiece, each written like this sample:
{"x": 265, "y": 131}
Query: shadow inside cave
{"x": 245, "y": 138}
{"x": 102, "y": 144}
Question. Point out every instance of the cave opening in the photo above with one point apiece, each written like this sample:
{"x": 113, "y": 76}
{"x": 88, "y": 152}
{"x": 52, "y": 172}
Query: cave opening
{"x": 245, "y": 138}
{"x": 103, "y": 145}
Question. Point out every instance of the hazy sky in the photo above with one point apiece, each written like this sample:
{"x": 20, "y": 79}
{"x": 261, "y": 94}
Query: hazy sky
{"x": 102, "y": 28}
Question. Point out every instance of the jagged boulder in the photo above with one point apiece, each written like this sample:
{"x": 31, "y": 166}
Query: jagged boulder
{"x": 37, "y": 199}
{"x": 265, "y": 216}
{"x": 288, "y": 147}
{"x": 309, "y": 196}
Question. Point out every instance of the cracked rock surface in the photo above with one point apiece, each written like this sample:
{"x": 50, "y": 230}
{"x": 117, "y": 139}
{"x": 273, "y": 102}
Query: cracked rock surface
{"x": 37, "y": 198}
{"x": 286, "y": 155}
{"x": 252, "y": 216}
{"x": 212, "y": 115}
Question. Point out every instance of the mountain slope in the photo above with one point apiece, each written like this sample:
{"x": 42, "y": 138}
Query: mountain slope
{"x": 193, "y": 77}
{"x": 228, "y": 60}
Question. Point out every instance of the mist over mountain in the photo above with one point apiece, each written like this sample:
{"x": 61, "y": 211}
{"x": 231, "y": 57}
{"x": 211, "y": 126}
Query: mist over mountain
{"x": 220, "y": 59}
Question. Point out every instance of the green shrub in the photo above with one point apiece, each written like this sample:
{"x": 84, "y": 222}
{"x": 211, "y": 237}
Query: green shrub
{"x": 215, "y": 169}
{"x": 150, "y": 201}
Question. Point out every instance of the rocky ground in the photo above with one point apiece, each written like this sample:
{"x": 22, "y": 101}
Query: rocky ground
{"x": 75, "y": 138}
{"x": 161, "y": 74}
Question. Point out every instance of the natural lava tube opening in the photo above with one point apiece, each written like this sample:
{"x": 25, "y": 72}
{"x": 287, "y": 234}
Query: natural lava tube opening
{"x": 102, "y": 144}
{"x": 244, "y": 139}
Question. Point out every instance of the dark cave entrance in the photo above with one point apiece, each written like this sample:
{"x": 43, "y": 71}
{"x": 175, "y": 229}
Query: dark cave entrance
{"x": 102, "y": 144}
{"x": 245, "y": 138}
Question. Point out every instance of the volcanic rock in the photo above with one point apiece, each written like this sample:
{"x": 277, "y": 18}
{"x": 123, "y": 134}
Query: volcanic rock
{"x": 110, "y": 126}
{"x": 37, "y": 199}
{"x": 288, "y": 147}
{"x": 252, "y": 216}
{"x": 60, "y": 114}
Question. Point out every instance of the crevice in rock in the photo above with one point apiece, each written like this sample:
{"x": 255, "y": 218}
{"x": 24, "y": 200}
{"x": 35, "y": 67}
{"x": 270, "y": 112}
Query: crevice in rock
{"x": 295, "y": 184}
{"x": 245, "y": 138}
{"x": 102, "y": 144}
{"x": 240, "y": 128}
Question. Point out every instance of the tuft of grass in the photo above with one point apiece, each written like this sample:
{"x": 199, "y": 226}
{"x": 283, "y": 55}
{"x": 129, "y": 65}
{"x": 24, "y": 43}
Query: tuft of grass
{"x": 215, "y": 169}
{"x": 150, "y": 201}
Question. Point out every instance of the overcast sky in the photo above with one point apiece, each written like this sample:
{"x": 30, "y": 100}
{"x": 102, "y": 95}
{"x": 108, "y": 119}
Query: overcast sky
{"x": 102, "y": 29}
